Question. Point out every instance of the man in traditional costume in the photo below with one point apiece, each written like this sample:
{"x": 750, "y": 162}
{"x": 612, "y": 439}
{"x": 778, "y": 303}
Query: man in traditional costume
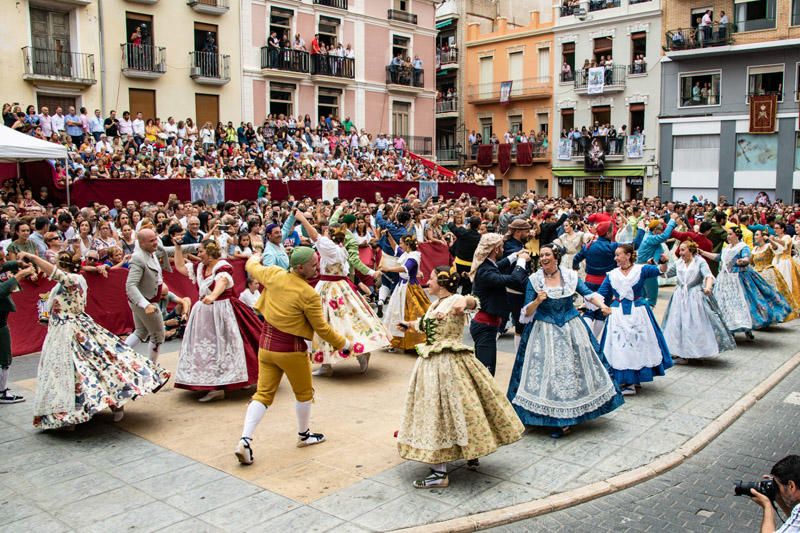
{"x": 292, "y": 310}
{"x": 10, "y": 276}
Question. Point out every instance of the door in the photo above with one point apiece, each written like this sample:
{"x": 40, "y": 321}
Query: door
{"x": 144, "y": 101}
{"x": 544, "y": 65}
{"x": 51, "y": 49}
{"x": 206, "y": 108}
{"x": 52, "y": 102}
{"x": 599, "y": 188}
{"x": 400, "y": 114}
{"x": 486, "y": 77}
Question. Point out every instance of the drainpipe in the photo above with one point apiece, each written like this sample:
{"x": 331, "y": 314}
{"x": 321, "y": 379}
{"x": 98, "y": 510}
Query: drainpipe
{"x": 102, "y": 57}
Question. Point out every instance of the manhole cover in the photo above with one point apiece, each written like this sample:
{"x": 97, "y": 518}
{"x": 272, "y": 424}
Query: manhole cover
{"x": 793, "y": 398}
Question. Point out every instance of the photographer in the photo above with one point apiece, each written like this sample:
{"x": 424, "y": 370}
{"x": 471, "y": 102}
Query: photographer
{"x": 786, "y": 476}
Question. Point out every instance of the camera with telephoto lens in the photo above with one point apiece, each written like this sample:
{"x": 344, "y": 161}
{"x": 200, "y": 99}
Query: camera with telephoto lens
{"x": 767, "y": 487}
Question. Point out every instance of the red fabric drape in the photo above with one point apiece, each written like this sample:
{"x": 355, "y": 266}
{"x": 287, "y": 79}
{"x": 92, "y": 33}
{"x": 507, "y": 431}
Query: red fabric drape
{"x": 430, "y": 164}
{"x": 433, "y": 254}
{"x": 105, "y": 191}
{"x": 504, "y": 157}
{"x": 524, "y": 154}
{"x": 485, "y": 155}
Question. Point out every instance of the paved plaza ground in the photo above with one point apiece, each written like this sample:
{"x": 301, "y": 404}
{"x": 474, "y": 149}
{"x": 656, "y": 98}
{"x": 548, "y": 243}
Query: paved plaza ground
{"x": 169, "y": 466}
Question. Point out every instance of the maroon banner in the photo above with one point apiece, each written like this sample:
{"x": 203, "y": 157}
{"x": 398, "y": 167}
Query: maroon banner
{"x": 763, "y": 113}
{"x": 504, "y": 157}
{"x": 150, "y": 190}
{"x": 427, "y": 163}
{"x": 524, "y": 154}
{"x": 433, "y": 254}
{"x": 485, "y": 155}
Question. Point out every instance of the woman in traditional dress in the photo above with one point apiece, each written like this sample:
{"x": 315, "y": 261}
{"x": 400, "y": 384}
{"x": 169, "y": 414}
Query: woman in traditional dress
{"x": 746, "y": 300}
{"x": 762, "y": 258}
{"x": 560, "y": 377}
{"x": 632, "y": 341}
{"x": 454, "y": 409}
{"x": 344, "y": 308}
{"x": 572, "y": 242}
{"x": 783, "y": 259}
{"x": 83, "y": 368}
{"x": 408, "y": 302}
{"x": 693, "y": 326}
{"x": 220, "y": 343}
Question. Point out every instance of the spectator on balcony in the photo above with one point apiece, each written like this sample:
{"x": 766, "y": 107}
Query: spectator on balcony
{"x": 45, "y": 122}
{"x": 613, "y": 147}
{"x": 399, "y": 145}
{"x": 723, "y": 26}
{"x": 639, "y": 64}
{"x": 566, "y": 72}
{"x": 395, "y": 67}
{"x": 298, "y": 43}
{"x": 349, "y": 53}
{"x": 96, "y": 125}
{"x": 273, "y": 49}
{"x": 417, "y": 64}
{"x": 706, "y": 23}
{"x": 697, "y": 94}
{"x": 209, "y": 56}
{"x": 111, "y": 125}
{"x": 59, "y": 121}
{"x": 74, "y": 128}
{"x": 609, "y": 65}
{"x": 138, "y": 129}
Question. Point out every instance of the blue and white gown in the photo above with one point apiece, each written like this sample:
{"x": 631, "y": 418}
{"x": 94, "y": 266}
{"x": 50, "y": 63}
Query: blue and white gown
{"x": 693, "y": 325}
{"x": 632, "y": 341}
{"x": 560, "y": 377}
{"x": 745, "y": 299}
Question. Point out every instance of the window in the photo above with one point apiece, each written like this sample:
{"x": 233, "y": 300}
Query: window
{"x": 754, "y": 15}
{"x": 515, "y": 61}
{"x": 400, "y": 45}
{"x": 143, "y": 22}
{"x": 636, "y": 121}
{"x": 568, "y": 58}
{"x": 400, "y": 113}
{"x": 756, "y": 152}
{"x": 695, "y": 153}
{"x": 280, "y": 22}
{"x": 401, "y": 5}
{"x": 638, "y": 52}
{"x": 697, "y": 16}
{"x": 206, "y": 38}
{"x": 328, "y": 102}
{"x": 765, "y": 80}
{"x": 517, "y": 187}
{"x": 281, "y": 99}
{"x": 515, "y": 124}
{"x": 543, "y": 119}
{"x": 544, "y": 63}
{"x": 567, "y": 119}
{"x": 701, "y": 88}
{"x": 796, "y": 152}
{"x": 329, "y": 30}
{"x": 486, "y": 129}
{"x": 795, "y": 12}
{"x": 601, "y": 114}
{"x": 603, "y": 47}
{"x": 486, "y": 76}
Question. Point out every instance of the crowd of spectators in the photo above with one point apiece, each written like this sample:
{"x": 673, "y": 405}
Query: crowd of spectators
{"x": 613, "y": 139}
{"x": 283, "y": 147}
{"x": 538, "y": 140}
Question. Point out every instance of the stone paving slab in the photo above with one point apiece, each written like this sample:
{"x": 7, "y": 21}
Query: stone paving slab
{"x": 169, "y": 466}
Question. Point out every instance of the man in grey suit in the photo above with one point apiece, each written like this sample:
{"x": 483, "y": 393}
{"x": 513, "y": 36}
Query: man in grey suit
{"x": 143, "y": 288}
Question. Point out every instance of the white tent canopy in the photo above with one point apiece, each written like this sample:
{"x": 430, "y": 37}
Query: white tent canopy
{"x": 18, "y": 147}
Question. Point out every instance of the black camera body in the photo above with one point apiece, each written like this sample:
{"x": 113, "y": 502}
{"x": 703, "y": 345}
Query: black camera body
{"x": 767, "y": 487}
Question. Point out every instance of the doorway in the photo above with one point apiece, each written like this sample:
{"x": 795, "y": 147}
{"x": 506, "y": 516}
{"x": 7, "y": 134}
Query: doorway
{"x": 599, "y": 188}
{"x": 206, "y": 108}
{"x": 51, "y": 46}
{"x": 142, "y": 101}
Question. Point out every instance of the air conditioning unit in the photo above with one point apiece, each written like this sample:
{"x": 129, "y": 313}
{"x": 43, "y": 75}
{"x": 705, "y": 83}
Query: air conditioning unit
{"x": 196, "y": 72}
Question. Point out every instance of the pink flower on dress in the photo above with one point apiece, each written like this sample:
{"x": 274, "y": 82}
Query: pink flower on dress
{"x": 344, "y": 355}
{"x": 341, "y": 300}
{"x": 318, "y": 357}
{"x": 334, "y": 304}
{"x": 358, "y": 347}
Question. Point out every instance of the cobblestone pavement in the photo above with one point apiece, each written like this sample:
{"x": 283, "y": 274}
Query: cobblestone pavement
{"x": 102, "y": 478}
{"x": 697, "y": 495}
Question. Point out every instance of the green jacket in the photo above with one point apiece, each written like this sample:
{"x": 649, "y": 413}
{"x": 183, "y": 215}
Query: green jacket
{"x": 351, "y": 247}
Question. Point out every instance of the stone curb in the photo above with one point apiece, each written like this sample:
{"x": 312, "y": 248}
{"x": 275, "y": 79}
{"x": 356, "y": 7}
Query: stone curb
{"x": 663, "y": 463}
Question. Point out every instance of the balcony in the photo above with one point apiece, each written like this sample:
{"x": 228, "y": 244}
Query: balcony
{"x": 418, "y": 144}
{"x": 569, "y": 9}
{"x": 599, "y": 5}
{"x": 333, "y": 69}
{"x": 72, "y": 68}
{"x": 693, "y": 38}
{"x": 637, "y": 69}
{"x": 778, "y": 94}
{"x": 613, "y": 82}
{"x": 754, "y": 25}
{"x": 143, "y": 61}
{"x": 338, "y": 4}
{"x": 447, "y": 58}
{"x": 524, "y": 89}
{"x": 539, "y": 152}
{"x": 208, "y": 68}
{"x": 77, "y": 2}
{"x": 447, "y": 107}
{"x": 448, "y": 155}
{"x": 402, "y": 79}
{"x": 567, "y": 77}
{"x": 285, "y": 62}
{"x": 209, "y": 7}
{"x": 402, "y": 16}
{"x": 614, "y": 148}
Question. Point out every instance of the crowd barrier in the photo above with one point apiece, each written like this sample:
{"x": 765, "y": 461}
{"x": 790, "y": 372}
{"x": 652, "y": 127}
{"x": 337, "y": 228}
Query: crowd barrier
{"x": 152, "y": 190}
{"x": 107, "y": 302}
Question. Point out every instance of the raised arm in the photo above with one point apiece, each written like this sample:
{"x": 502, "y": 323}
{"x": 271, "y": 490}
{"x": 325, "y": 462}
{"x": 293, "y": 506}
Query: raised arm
{"x": 312, "y": 232}
{"x": 180, "y": 261}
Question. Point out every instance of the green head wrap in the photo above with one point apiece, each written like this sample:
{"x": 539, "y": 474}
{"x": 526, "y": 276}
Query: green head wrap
{"x": 301, "y": 255}
{"x": 349, "y": 218}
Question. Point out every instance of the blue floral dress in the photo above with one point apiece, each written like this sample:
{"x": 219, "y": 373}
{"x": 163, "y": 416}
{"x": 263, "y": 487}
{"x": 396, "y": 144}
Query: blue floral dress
{"x": 560, "y": 377}
{"x": 84, "y": 368}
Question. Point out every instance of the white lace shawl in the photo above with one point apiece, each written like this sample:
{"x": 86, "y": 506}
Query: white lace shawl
{"x": 624, "y": 284}
{"x": 204, "y": 283}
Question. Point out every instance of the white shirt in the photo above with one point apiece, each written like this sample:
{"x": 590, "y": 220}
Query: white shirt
{"x": 250, "y": 297}
{"x": 57, "y": 122}
{"x": 125, "y": 127}
{"x": 138, "y": 127}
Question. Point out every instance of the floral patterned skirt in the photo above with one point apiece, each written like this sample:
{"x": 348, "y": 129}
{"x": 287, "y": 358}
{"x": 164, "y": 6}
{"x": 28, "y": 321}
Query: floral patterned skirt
{"x": 84, "y": 369}
{"x": 454, "y": 410}
{"x": 776, "y": 280}
{"x": 349, "y": 315}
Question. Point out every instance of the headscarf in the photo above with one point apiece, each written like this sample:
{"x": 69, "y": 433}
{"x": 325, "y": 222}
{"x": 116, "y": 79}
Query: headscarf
{"x": 488, "y": 242}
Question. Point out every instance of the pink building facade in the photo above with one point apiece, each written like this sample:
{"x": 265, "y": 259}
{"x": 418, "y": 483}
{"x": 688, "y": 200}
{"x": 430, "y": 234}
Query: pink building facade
{"x": 372, "y": 87}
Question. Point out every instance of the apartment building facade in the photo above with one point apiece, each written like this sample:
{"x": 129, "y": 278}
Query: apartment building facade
{"x": 160, "y": 57}
{"x": 386, "y": 84}
{"x": 508, "y": 90}
{"x": 711, "y": 70}
{"x": 607, "y": 89}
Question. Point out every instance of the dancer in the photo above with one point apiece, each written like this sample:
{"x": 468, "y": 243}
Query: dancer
{"x": 293, "y": 313}
{"x": 782, "y": 244}
{"x": 518, "y": 232}
{"x": 454, "y": 409}
{"x": 83, "y": 368}
{"x": 218, "y": 350}
{"x": 632, "y": 341}
{"x": 11, "y": 275}
{"x": 746, "y": 300}
{"x": 560, "y": 377}
{"x": 344, "y": 308}
{"x": 408, "y": 301}
{"x": 651, "y": 250}
{"x": 693, "y": 326}
{"x": 488, "y": 286}
{"x": 762, "y": 259}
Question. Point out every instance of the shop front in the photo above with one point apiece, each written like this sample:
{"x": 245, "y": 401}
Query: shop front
{"x": 621, "y": 183}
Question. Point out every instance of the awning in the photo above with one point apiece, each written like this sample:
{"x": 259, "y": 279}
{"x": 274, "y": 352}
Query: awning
{"x": 615, "y": 172}
{"x": 444, "y": 23}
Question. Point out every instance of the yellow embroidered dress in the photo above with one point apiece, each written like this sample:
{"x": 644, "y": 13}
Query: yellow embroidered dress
{"x": 788, "y": 268}
{"x": 454, "y": 409}
{"x": 763, "y": 257}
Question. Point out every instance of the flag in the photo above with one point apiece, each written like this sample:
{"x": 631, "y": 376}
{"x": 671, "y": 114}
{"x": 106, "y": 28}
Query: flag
{"x": 763, "y": 108}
